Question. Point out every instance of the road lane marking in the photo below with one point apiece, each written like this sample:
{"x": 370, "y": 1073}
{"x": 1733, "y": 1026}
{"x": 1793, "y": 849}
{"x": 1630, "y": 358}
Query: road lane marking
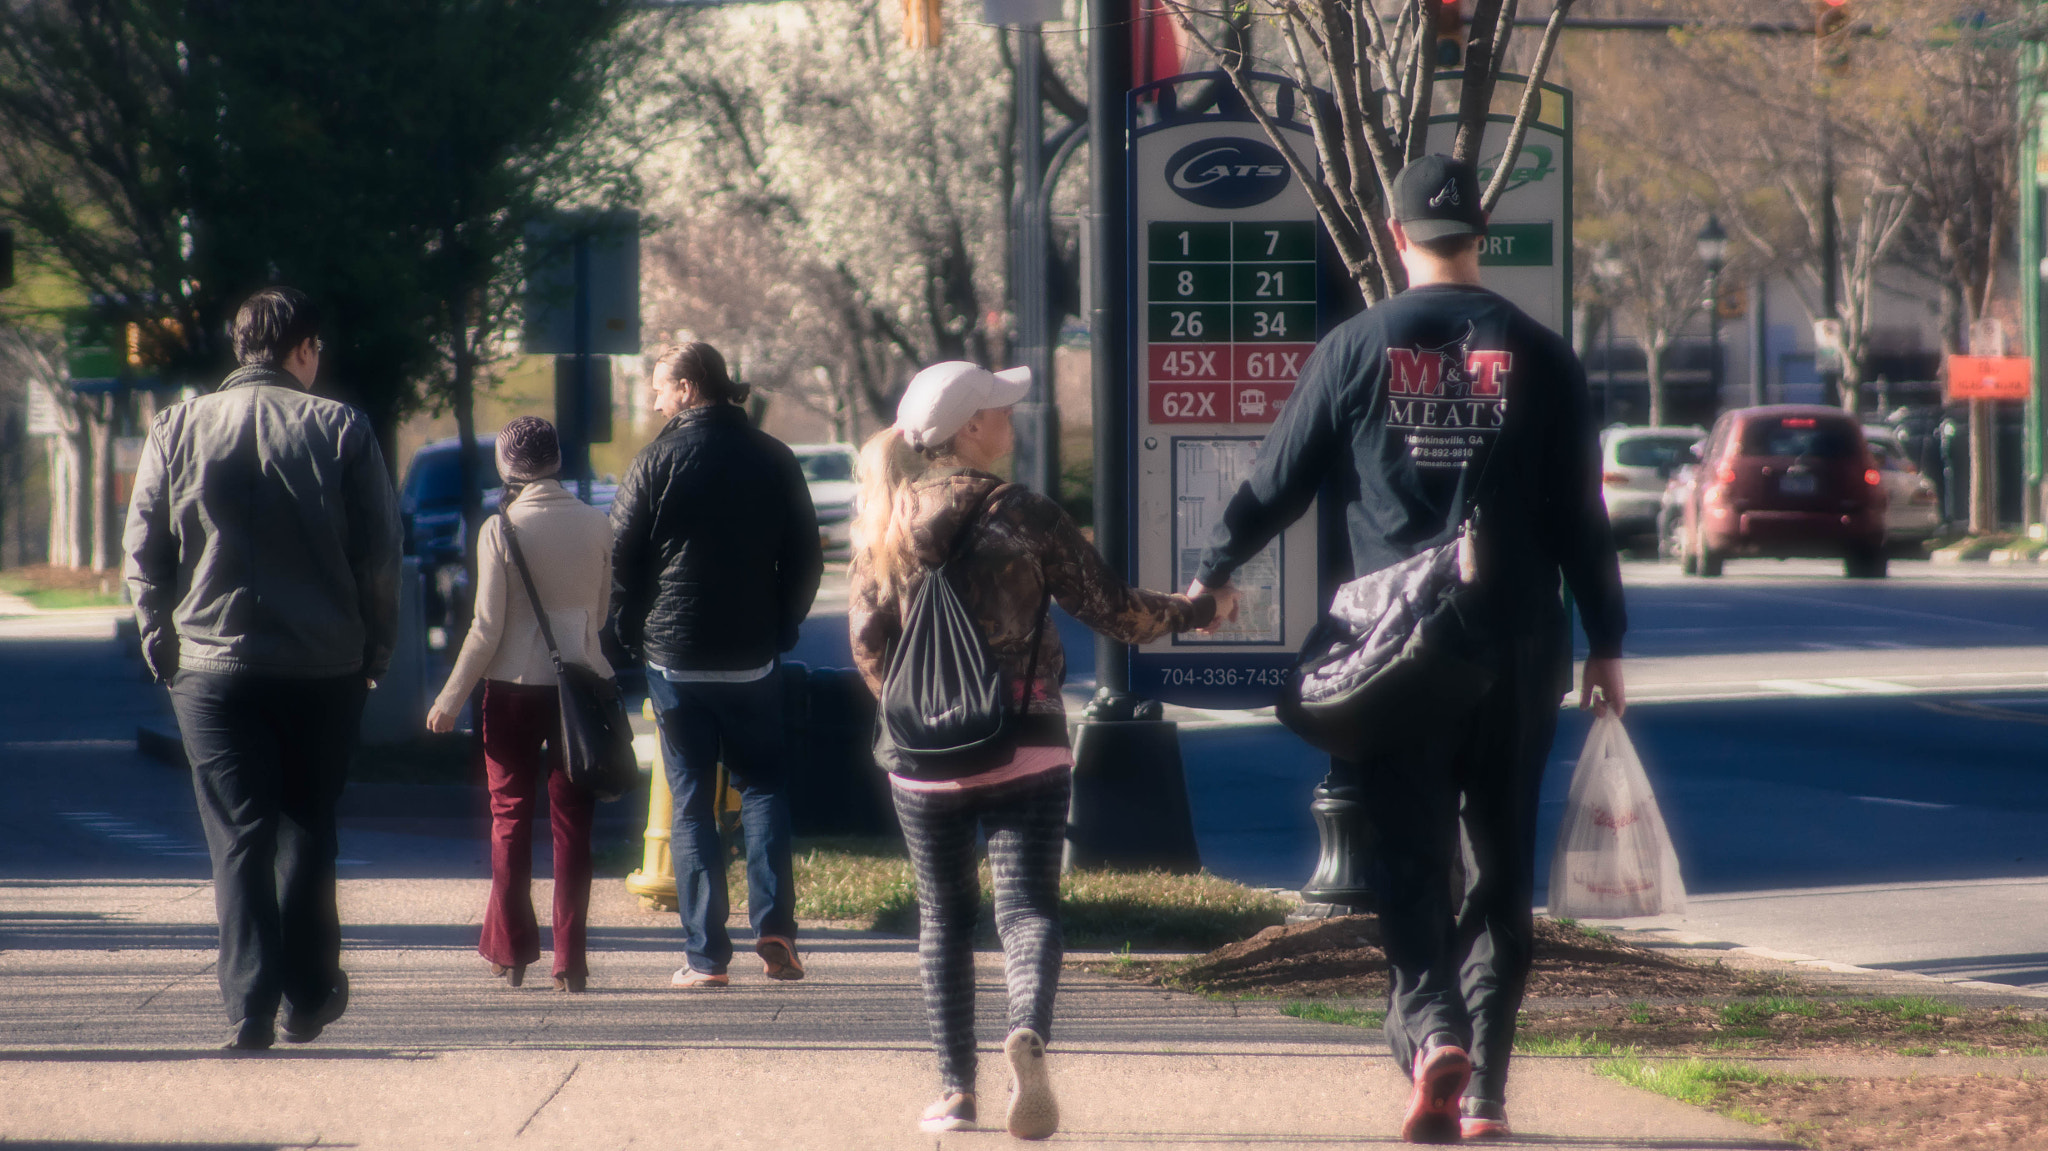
{"x": 1873, "y": 686}
{"x": 1802, "y": 687}
{"x": 1890, "y": 802}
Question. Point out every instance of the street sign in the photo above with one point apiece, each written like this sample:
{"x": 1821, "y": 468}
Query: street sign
{"x": 1990, "y": 377}
{"x": 583, "y": 278}
{"x": 1527, "y": 255}
{"x": 42, "y": 413}
{"x": 1228, "y": 264}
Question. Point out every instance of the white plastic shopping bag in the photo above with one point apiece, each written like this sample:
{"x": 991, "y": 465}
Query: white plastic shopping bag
{"x": 1614, "y": 858}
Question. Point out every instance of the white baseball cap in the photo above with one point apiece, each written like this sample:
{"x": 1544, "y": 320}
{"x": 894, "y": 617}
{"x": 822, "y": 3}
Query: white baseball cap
{"x": 942, "y": 398}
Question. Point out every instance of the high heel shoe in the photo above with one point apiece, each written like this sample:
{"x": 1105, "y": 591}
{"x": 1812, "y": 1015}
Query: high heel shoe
{"x": 514, "y": 975}
{"x": 570, "y": 983}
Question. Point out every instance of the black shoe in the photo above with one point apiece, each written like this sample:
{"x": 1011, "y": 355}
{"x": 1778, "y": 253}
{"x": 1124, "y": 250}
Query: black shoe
{"x": 306, "y": 1026}
{"x": 250, "y": 1035}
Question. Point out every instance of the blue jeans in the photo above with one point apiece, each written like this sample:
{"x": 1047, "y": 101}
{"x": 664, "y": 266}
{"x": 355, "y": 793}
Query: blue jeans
{"x": 745, "y": 723}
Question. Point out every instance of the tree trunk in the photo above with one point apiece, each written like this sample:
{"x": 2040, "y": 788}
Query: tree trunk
{"x": 462, "y": 400}
{"x": 106, "y": 533}
{"x": 1983, "y": 469}
{"x": 1653, "y": 367}
{"x": 70, "y": 497}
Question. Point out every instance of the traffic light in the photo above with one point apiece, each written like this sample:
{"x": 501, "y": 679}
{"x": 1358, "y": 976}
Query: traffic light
{"x": 1450, "y": 34}
{"x": 1831, "y": 36}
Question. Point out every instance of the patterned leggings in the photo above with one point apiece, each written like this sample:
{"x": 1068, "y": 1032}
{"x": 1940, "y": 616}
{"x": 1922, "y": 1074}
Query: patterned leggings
{"x": 1025, "y": 821}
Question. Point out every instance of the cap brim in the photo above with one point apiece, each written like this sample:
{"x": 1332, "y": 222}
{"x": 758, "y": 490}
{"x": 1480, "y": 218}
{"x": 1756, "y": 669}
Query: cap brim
{"x": 1438, "y": 229}
{"x": 1012, "y": 385}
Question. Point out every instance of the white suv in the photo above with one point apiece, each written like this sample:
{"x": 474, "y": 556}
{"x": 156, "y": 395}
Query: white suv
{"x": 1911, "y": 512}
{"x": 1635, "y": 465}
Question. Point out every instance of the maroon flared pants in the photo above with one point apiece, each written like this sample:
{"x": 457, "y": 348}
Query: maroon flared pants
{"x": 517, "y": 720}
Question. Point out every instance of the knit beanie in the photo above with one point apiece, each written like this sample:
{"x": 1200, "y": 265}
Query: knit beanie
{"x": 528, "y": 449}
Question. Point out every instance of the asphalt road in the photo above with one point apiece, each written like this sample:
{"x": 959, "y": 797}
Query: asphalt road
{"x": 1890, "y": 821}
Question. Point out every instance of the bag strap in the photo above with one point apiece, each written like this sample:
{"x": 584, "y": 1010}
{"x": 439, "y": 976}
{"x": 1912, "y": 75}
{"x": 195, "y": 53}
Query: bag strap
{"x": 540, "y": 614}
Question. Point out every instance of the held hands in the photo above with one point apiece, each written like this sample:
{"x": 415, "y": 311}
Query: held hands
{"x": 440, "y": 722}
{"x": 1601, "y": 691}
{"x": 1226, "y": 598}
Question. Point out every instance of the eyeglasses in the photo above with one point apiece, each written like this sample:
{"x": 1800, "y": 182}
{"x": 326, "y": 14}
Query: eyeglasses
{"x": 319, "y": 345}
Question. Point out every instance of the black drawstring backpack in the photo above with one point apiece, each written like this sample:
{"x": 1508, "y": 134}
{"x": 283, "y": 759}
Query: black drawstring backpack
{"x": 945, "y": 701}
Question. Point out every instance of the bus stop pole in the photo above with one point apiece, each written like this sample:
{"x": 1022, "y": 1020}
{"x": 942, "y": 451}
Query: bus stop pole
{"x": 1130, "y": 807}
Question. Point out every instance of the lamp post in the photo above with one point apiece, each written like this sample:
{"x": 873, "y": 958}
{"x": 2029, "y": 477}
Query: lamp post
{"x": 1713, "y": 249}
{"x": 1608, "y": 270}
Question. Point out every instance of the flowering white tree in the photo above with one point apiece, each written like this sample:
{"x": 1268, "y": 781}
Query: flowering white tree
{"x": 862, "y": 188}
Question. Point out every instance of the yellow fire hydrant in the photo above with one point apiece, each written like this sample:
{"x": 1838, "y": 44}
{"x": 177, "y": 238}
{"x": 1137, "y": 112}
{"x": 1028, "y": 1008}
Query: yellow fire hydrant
{"x": 655, "y": 882}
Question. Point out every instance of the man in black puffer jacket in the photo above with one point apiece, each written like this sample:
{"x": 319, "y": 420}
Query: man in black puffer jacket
{"x": 715, "y": 562}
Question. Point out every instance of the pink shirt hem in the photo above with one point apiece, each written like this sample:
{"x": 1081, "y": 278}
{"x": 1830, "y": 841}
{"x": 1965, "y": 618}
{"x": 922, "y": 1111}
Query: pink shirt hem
{"x": 1028, "y": 761}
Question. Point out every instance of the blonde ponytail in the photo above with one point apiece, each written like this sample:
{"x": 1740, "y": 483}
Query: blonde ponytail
{"x": 887, "y": 465}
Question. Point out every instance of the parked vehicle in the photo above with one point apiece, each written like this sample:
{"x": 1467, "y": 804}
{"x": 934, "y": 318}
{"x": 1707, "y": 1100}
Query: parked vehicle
{"x": 1912, "y": 509}
{"x": 829, "y": 471}
{"x": 1636, "y": 464}
{"x": 1785, "y": 480}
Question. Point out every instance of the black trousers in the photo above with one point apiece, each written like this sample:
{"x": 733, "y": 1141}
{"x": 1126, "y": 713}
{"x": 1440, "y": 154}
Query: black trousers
{"x": 1459, "y": 966}
{"x": 269, "y": 758}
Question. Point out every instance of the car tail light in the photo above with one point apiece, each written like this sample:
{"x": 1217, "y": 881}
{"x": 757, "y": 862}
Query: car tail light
{"x": 1726, "y": 475}
{"x": 1618, "y": 479}
{"x": 1872, "y": 477}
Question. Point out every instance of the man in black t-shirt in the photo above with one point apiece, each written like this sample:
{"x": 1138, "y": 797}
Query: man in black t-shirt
{"x": 1441, "y": 398}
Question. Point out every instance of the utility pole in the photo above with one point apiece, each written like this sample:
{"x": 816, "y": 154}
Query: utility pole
{"x": 1038, "y": 444}
{"x": 2031, "y": 266}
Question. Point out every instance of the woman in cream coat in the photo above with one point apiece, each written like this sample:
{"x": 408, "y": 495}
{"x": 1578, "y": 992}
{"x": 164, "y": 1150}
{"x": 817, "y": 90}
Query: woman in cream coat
{"x": 567, "y": 546}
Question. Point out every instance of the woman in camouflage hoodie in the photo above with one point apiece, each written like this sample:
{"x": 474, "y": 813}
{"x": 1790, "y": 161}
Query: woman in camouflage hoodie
{"x": 922, "y": 480}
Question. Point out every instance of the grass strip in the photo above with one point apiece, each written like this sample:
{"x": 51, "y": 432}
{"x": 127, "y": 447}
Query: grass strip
{"x": 1342, "y": 1016}
{"x": 869, "y": 882}
{"x": 1700, "y": 1082}
{"x": 1571, "y": 1045}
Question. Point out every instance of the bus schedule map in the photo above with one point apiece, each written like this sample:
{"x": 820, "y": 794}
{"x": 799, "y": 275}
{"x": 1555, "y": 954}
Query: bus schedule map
{"x": 1206, "y": 473}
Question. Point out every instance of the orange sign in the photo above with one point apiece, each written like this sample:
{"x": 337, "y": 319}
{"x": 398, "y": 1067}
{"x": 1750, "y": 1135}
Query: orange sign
{"x": 1990, "y": 377}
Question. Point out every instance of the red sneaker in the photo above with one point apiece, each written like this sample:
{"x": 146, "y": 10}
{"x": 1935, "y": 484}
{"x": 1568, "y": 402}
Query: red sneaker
{"x": 1483, "y": 1119}
{"x": 1433, "y": 1106}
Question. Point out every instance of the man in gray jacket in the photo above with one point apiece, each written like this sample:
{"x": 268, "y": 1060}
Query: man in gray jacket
{"x": 263, "y": 558}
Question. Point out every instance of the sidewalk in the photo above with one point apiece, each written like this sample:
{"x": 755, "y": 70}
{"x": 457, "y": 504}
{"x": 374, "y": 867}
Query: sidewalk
{"x": 110, "y": 1016}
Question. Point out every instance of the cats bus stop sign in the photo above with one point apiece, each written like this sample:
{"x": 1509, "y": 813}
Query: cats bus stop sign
{"x": 1232, "y": 281}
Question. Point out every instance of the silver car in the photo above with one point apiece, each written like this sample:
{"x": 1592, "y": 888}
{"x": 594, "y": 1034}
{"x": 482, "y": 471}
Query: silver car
{"x": 1635, "y": 466}
{"x": 1912, "y": 508}
{"x": 829, "y": 472}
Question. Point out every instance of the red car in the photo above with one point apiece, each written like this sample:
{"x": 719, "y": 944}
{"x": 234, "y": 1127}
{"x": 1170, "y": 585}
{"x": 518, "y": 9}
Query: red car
{"x": 1786, "y": 480}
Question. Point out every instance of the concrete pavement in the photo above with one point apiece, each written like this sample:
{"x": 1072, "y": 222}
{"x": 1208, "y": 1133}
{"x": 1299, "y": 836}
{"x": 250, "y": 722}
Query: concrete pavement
{"x": 109, "y": 1015}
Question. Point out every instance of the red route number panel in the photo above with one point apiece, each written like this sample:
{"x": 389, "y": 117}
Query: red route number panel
{"x": 1221, "y": 383}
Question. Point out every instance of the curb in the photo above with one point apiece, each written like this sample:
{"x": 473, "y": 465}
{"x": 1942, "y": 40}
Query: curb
{"x": 1812, "y": 962}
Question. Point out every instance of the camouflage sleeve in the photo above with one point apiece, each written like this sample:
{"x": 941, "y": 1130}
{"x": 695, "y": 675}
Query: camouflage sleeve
{"x": 1078, "y": 577}
{"x": 871, "y": 622}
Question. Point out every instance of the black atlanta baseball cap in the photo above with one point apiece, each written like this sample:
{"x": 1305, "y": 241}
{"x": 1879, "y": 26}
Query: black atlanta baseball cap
{"x": 1436, "y": 196}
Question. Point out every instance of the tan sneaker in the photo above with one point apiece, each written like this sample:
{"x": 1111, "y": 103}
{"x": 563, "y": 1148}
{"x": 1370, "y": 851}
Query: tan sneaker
{"x": 691, "y": 979}
{"x": 953, "y": 1112}
{"x": 1034, "y": 1114}
{"x": 778, "y": 957}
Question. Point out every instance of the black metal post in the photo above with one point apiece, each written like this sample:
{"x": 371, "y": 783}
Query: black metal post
{"x": 1715, "y": 374}
{"x": 579, "y": 433}
{"x": 1130, "y": 806}
{"x": 1607, "y": 397}
{"x": 1037, "y": 418}
{"x": 1109, "y": 78}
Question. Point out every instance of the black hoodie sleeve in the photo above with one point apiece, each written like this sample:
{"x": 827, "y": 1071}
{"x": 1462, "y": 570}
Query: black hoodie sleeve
{"x": 1291, "y": 465}
{"x": 1574, "y": 513}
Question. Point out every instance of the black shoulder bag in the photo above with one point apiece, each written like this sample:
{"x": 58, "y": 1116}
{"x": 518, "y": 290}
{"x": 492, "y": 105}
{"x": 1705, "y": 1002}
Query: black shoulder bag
{"x": 596, "y": 738}
{"x": 945, "y": 708}
{"x": 1401, "y": 647}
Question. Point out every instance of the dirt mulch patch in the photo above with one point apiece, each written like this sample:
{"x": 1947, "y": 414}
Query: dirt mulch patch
{"x": 1954, "y": 1114}
{"x": 1342, "y": 957}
